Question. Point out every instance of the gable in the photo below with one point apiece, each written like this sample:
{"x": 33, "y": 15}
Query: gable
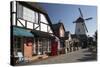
{"x": 62, "y": 31}
{"x": 32, "y": 18}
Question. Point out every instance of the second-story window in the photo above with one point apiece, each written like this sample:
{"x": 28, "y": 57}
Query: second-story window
{"x": 19, "y": 11}
{"x": 26, "y": 14}
{"x": 43, "y": 19}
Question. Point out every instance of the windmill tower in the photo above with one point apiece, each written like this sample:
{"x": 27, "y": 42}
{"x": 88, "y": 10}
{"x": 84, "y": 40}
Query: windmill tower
{"x": 81, "y": 28}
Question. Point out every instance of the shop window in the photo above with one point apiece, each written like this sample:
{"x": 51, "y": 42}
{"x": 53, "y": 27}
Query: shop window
{"x": 45, "y": 45}
{"x": 17, "y": 45}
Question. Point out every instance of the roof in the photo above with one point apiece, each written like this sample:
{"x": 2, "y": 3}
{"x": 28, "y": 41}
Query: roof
{"x": 21, "y": 32}
{"x": 57, "y": 26}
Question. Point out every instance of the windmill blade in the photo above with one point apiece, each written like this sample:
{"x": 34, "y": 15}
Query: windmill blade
{"x": 88, "y": 18}
{"x": 80, "y": 12}
{"x": 85, "y": 27}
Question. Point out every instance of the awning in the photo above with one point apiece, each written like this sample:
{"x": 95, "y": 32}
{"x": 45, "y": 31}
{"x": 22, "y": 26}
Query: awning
{"x": 42, "y": 34}
{"x": 22, "y": 32}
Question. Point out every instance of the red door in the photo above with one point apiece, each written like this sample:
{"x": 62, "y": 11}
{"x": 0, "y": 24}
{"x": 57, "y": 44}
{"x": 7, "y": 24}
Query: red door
{"x": 54, "y": 48}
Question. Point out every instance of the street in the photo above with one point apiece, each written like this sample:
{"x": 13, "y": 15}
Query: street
{"x": 76, "y": 56}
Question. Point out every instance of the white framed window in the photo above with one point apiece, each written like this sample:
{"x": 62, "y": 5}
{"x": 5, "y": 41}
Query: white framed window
{"x": 28, "y": 14}
{"x": 43, "y": 19}
{"x": 19, "y": 11}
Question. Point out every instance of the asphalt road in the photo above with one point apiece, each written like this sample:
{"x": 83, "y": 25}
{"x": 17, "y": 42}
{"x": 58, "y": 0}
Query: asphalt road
{"x": 76, "y": 56}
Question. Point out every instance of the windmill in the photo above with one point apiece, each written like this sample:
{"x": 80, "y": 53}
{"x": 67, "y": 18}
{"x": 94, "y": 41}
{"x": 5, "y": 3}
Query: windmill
{"x": 81, "y": 28}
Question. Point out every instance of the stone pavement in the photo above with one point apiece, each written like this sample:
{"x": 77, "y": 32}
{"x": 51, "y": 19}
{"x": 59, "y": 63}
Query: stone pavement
{"x": 76, "y": 56}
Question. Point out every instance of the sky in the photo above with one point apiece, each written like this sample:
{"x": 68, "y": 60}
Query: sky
{"x": 67, "y": 13}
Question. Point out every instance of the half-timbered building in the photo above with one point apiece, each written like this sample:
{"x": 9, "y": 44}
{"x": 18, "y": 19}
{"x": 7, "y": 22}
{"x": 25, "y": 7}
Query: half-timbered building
{"x": 31, "y": 29}
{"x": 59, "y": 31}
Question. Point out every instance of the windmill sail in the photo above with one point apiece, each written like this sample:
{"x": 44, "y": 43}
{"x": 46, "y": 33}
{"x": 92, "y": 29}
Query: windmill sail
{"x": 80, "y": 24}
{"x": 88, "y": 18}
{"x": 80, "y": 12}
{"x": 85, "y": 26}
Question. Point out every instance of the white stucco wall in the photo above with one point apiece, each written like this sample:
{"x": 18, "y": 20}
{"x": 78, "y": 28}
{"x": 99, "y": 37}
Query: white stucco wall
{"x": 43, "y": 27}
{"x": 80, "y": 29}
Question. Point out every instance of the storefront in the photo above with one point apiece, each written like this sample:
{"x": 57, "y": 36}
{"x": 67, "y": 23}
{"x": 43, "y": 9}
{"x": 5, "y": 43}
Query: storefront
{"x": 32, "y": 30}
{"x": 42, "y": 42}
{"x": 22, "y": 42}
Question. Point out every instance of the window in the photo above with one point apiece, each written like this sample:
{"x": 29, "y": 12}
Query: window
{"x": 28, "y": 14}
{"x": 19, "y": 11}
{"x": 17, "y": 45}
{"x": 49, "y": 45}
{"x": 43, "y": 19}
{"x": 45, "y": 45}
